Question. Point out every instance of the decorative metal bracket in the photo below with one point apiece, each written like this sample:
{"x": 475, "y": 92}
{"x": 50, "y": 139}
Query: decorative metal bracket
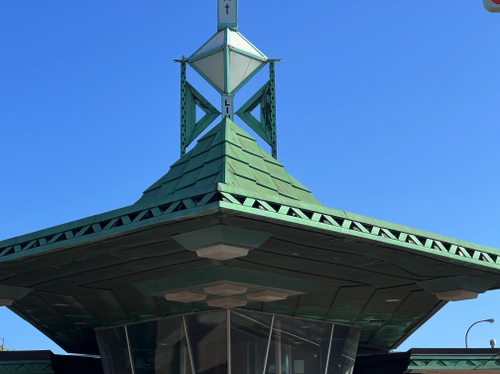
{"x": 266, "y": 98}
{"x": 190, "y": 99}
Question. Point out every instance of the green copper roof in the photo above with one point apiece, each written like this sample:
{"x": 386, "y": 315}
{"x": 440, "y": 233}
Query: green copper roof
{"x": 358, "y": 263}
{"x": 227, "y": 154}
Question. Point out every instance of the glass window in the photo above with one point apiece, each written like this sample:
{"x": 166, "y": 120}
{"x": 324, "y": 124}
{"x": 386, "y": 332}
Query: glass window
{"x": 259, "y": 343}
{"x": 298, "y": 346}
{"x": 249, "y": 341}
{"x": 114, "y": 350}
{"x": 159, "y": 347}
{"x": 343, "y": 350}
{"x": 208, "y": 338}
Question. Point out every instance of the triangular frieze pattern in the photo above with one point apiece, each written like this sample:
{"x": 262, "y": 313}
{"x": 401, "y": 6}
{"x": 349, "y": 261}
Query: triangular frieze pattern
{"x": 320, "y": 219}
{"x": 454, "y": 362}
{"x": 28, "y": 368}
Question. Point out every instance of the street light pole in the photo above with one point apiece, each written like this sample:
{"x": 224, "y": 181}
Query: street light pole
{"x": 490, "y": 320}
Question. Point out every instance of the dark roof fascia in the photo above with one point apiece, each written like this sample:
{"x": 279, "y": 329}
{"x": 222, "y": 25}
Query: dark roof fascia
{"x": 42, "y": 354}
{"x": 388, "y": 363}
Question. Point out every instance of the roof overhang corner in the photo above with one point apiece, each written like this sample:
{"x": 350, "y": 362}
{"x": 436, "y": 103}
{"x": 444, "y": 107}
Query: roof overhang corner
{"x": 456, "y": 288}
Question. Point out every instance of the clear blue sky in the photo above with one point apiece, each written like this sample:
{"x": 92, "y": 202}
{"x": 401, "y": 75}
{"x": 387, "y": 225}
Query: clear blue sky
{"x": 387, "y": 108}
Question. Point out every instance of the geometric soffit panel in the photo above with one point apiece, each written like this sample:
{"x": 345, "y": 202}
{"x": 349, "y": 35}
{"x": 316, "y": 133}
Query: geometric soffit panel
{"x": 240, "y": 284}
{"x": 197, "y": 280}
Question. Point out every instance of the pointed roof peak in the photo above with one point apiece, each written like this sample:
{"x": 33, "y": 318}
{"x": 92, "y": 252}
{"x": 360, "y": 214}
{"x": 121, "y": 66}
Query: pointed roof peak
{"x": 227, "y": 154}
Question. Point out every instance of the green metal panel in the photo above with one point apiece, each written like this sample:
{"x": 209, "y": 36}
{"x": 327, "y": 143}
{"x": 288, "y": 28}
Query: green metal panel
{"x": 241, "y": 169}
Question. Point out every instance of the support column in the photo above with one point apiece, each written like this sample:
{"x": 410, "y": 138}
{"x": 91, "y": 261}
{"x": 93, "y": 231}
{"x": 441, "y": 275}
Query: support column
{"x": 277, "y": 348}
{"x": 268, "y": 345}
{"x": 272, "y": 111}
{"x": 229, "y": 352}
{"x": 183, "y": 105}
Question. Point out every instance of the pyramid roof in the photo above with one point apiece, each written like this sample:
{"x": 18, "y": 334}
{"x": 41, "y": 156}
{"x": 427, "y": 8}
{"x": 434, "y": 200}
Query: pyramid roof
{"x": 377, "y": 275}
{"x": 227, "y": 154}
